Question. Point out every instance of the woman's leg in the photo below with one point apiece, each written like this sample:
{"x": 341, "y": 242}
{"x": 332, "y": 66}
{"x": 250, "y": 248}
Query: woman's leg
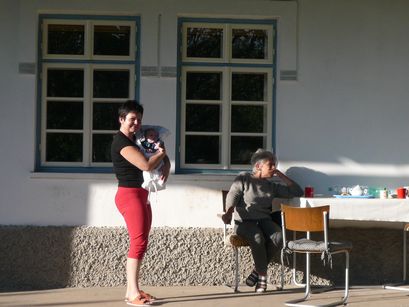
{"x": 273, "y": 235}
{"x": 252, "y": 232}
{"x": 132, "y": 205}
{"x": 133, "y": 267}
{"x": 255, "y": 236}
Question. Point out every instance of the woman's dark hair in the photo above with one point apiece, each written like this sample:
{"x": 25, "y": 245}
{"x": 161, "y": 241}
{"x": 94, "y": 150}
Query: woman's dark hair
{"x": 128, "y": 107}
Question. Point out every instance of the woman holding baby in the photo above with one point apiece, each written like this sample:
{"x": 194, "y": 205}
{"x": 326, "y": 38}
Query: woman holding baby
{"x": 131, "y": 199}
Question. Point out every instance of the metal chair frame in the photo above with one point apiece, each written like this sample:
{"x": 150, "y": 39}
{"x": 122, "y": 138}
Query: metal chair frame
{"x": 309, "y": 220}
{"x": 235, "y": 241}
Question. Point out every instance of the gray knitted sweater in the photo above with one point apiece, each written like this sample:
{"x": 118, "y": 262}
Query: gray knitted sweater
{"x": 252, "y": 197}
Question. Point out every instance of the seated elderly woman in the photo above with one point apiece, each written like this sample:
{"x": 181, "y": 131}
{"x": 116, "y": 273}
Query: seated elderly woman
{"x": 250, "y": 197}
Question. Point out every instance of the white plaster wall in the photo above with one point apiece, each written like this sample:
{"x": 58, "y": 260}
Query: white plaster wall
{"x": 349, "y": 109}
{"x": 73, "y": 199}
{"x": 80, "y": 199}
{"x": 344, "y": 121}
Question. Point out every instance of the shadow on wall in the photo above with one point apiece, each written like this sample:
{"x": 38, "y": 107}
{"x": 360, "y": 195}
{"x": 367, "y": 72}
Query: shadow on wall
{"x": 324, "y": 183}
{"x": 34, "y": 257}
{"x": 38, "y": 257}
{"x": 308, "y": 177}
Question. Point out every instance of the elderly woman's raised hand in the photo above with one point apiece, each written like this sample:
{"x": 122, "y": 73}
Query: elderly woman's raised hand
{"x": 282, "y": 176}
{"x": 226, "y": 217}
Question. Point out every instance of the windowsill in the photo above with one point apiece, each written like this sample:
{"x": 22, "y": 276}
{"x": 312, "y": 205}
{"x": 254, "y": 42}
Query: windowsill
{"x": 111, "y": 177}
{"x": 85, "y": 176}
{"x": 202, "y": 177}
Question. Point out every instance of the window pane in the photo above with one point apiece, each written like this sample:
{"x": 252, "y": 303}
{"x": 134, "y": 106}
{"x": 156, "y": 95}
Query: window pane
{"x": 248, "y": 87}
{"x": 204, "y": 43}
{"x": 101, "y": 147}
{"x": 247, "y": 119}
{"x": 201, "y": 117}
{"x": 111, "y": 84}
{"x": 64, "y": 147}
{"x": 242, "y": 147}
{"x": 65, "y": 83}
{"x": 203, "y": 86}
{"x": 65, "y": 39}
{"x": 249, "y": 44}
{"x": 112, "y": 40}
{"x": 64, "y": 115}
{"x": 105, "y": 116}
{"x": 202, "y": 149}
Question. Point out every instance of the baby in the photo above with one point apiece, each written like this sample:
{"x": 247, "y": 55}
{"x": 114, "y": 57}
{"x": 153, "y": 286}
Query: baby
{"x": 149, "y": 145}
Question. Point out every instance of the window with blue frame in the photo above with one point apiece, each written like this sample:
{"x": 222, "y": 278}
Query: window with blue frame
{"x": 88, "y": 66}
{"x": 226, "y": 92}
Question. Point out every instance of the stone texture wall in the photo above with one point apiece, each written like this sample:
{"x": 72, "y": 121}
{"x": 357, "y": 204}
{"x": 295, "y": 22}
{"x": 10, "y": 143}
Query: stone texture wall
{"x": 53, "y": 257}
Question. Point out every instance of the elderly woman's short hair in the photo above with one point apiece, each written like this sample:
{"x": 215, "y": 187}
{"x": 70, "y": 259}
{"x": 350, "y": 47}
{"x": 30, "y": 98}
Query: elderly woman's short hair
{"x": 262, "y": 155}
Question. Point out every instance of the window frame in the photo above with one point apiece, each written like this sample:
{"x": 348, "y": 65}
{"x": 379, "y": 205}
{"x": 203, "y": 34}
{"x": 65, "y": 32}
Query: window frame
{"x": 132, "y": 43}
{"x": 44, "y": 41}
{"x": 267, "y": 133}
{"x": 89, "y": 63}
{"x": 224, "y": 113}
{"x": 93, "y": 100}
{"x": 226, "y": 65}
{"x": 269, "y": 59}
{"x": 222, "y": 59}
{"x": 44, "y": 100}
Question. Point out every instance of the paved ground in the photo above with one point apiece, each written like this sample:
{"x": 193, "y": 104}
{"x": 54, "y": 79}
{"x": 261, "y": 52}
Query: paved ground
{"x": 199, "y": 297}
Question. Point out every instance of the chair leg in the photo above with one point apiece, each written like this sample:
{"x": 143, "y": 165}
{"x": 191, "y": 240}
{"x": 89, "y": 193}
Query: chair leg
{"x": 307, "y": 294}
{"x": 236, "y": 268}
{"x": 294, "y": 272}
{"x": 235, "y": 283}
{"x": 346, "y": 293}
{"x": 294, "y": 268}
{"x": 307, "y": 277}
{"x": 281, "y": 287}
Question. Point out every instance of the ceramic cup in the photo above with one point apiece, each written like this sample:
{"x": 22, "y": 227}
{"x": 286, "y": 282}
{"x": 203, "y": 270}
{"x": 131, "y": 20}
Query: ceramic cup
{"x": 401, "y": 192}
{"x": 309, "y": 192}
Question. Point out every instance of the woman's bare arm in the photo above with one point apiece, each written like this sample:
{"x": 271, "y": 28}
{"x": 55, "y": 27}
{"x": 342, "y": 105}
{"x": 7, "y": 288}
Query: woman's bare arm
{"x": 165, "y": 169}
{"x": 134, "y": 156}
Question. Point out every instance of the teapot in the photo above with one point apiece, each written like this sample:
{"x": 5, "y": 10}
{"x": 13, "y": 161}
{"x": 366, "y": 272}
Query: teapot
{"x": 356, "y": 191}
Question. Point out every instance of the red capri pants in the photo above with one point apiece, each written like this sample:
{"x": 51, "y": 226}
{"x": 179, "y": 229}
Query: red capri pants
{"x": 132, "y": 204}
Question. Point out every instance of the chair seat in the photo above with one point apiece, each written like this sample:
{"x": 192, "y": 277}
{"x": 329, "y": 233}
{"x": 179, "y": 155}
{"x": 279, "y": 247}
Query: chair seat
{"x": 307, "y": 245}
{"x": 236, "y": 241}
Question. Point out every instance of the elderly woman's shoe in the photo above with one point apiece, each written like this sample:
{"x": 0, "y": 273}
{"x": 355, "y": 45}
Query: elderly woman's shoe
{"x": 261, "y": 284}
{"x": 252, "y": 279}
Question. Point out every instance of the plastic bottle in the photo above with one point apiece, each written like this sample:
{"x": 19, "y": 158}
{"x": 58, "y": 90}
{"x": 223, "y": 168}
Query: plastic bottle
{"x": 383, "y": 194}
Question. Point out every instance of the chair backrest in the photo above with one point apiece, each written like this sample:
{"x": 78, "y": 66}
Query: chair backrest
{"x": 304, "y": 219}
{"x": 224, "y": 195}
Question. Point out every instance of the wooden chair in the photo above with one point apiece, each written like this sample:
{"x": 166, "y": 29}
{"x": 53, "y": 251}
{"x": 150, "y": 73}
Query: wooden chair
{"x": 307, "y": 220}
{"x": 235, "y": 242}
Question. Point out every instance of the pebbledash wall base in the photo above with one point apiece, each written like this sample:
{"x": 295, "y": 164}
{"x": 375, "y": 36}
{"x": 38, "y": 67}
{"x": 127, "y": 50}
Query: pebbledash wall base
{"x": 34, "y": 257}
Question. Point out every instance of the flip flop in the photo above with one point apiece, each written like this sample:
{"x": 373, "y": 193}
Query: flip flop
{"x": 139, "y": 301}
{"x": 147, "y": 296}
